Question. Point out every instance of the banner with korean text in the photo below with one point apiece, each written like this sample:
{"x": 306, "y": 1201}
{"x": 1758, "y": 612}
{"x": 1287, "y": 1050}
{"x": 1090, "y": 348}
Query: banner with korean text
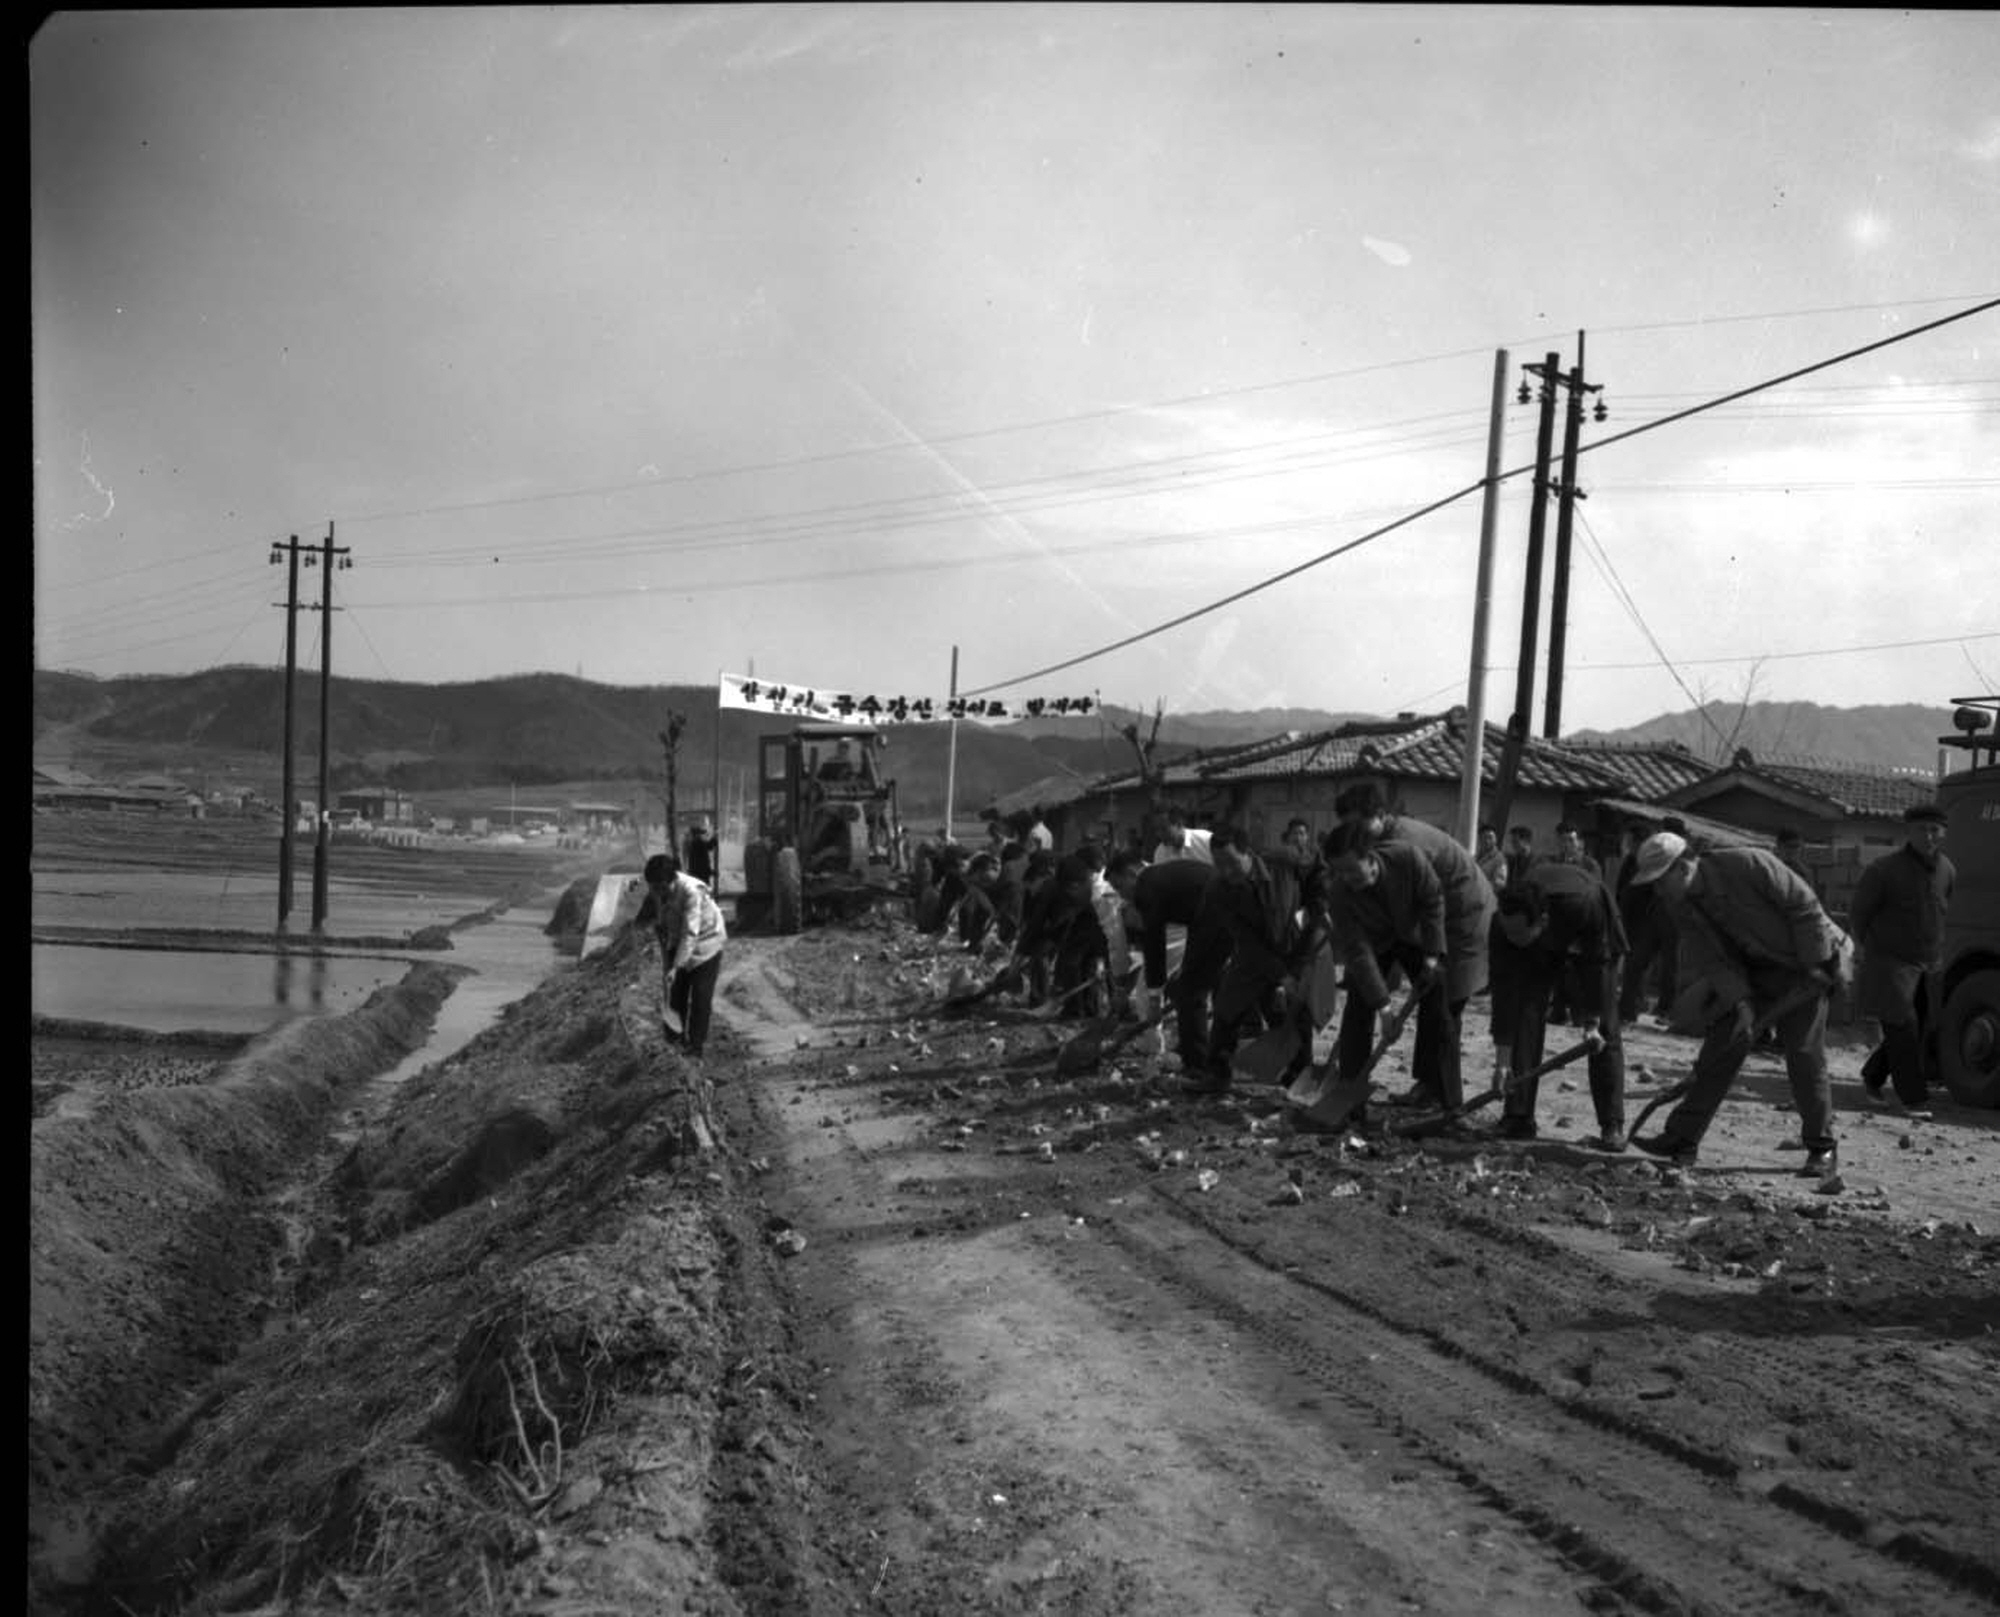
{"x": 803, "y": 702}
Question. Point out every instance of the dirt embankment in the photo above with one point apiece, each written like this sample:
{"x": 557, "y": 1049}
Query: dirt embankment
{"x": 878, "y": 1311}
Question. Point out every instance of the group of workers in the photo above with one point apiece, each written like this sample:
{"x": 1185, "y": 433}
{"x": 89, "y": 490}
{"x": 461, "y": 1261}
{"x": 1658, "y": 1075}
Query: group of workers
{"x": 1736, "y": 937}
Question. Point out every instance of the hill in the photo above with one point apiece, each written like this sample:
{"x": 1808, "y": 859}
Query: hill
{"x": 1890, "y": 736}
{"x": 455, "y": 745}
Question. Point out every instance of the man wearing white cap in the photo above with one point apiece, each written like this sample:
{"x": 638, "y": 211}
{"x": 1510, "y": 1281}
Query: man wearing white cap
{"x": 1752, "y": 936}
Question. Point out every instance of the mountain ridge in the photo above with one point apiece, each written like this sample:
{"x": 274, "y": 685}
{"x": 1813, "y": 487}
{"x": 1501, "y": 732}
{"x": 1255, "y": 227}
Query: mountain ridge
{"x": 545, "y": 729}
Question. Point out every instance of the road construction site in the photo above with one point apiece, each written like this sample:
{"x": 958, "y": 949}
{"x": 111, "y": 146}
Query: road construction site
{"x": 878, "y": 1310}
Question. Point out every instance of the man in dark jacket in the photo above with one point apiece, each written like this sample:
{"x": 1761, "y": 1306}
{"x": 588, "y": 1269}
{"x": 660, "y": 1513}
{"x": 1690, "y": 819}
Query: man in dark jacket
{"x": 1242, "y": 940}
{"x": 1468, "y": 917}
{"x": 1754, "y": 940}
{"x": 1897, "y": 918}
{"x": 1558, "y": 924}
{"x": 1387, "y": 910}
{"x": 1163, "y": 896}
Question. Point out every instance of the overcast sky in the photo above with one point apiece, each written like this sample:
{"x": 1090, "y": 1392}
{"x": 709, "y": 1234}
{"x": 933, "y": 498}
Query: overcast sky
{"x": 650, "y": 343}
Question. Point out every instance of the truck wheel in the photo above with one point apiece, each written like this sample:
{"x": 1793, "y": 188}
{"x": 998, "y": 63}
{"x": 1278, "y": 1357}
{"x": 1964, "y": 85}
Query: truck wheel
{"x": 788, "y": 904}
{"x": 1968, "y": 1040}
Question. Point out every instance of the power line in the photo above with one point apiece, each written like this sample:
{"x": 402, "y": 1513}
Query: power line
{"x": 1472, "y": 488}
{"x": 1110, "y": 413}
{"x": 1794, "y": 656}
{"x": 1602, "y": 559}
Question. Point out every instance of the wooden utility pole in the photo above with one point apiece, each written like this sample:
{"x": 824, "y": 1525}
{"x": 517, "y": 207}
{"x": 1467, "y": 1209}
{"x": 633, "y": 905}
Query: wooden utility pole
{"x": 951, "y": 754}
{"x": 1482, "y": 606}
{"x": 1567, "y": 494}
{"x": 1522, "y": 717}
{"x": 330, "y": 558}
{"x": 289, "y": 808}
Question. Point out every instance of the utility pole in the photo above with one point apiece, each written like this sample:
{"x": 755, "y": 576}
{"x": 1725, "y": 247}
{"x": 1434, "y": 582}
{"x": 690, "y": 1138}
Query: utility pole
{"x": 289, "y": 811}
{"x": 1531, "y": 595}
{"x": 330, "y": 557}
{"x": 1482, "y": 604}
{"x": 951, "y": 752}
{"x": 1567, "y": 494}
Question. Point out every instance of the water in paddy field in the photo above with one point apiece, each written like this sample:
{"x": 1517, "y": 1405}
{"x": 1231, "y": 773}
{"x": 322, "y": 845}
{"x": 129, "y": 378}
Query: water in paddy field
{"x": 167, "y": 991}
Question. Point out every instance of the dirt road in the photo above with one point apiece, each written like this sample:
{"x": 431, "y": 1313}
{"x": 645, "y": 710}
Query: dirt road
{"x": 1081, "y": 1347}
{"x": 875, "y": 1312}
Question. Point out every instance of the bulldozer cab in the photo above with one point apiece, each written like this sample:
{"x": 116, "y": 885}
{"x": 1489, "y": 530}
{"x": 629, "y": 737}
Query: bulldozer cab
{"x": 830, "y": 833}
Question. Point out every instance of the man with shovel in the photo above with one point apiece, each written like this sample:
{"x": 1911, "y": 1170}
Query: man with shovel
{"x": 1163, "y": 896}
{"x": 1557, "y": 925}
{"x": 1755, "y": 946}
{"x": 1461, "y": 966}
{"x": 1387, "y": 910}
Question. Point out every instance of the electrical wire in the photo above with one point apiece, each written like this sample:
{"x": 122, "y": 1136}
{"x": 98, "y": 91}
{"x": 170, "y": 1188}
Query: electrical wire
{"x": 1459, "y": 494}
{"x": 1601, "y": 559}
{"x": 760, "y": 468}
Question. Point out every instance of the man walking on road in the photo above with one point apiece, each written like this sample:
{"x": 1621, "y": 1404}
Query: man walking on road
{"x": 1754, "y": 942}
{"x": 1898, "y": 920}
{"x": 688, "y": 923}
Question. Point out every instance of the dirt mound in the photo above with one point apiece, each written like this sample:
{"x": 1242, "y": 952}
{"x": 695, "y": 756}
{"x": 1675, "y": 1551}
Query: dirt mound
{"x": 511, "y": 1318}
{"x": 151, "y": 1251}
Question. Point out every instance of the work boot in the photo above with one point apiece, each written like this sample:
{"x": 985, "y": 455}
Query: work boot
{"x": 1417, "y": 1095}
{"x": 1609, "y": 1140}
{"x": 1672, "y": 1150}
{"x": 1517, "y": 1128}
{"x": 1821, "y": 1161}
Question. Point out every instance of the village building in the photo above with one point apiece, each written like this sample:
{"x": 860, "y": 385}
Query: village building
{"x": 377, "y": 805}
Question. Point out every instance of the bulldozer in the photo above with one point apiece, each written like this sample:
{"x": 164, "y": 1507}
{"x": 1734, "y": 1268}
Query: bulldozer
{"x": 829, "y": 842}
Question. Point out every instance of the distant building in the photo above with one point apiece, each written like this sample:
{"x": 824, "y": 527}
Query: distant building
{"x": 377, "y": 805}
{"x": 596, "y": 819}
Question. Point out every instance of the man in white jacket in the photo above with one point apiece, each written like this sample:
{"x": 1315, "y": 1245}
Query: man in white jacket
{"x": 688, "y": 923}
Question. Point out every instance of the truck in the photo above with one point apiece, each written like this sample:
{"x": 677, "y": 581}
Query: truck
{"x": 829, "y": 839}
{"x": 1964, "y": 991}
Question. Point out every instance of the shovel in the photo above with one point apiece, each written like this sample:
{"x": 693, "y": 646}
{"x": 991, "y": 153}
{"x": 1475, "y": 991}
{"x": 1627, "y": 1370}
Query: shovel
{"x": 1106, "y": 1037}
{"x": 1328, "y": 1102}
{"x": 1588, "y": 1045}
{"x": 1009, "y": 976}
{"x": 1265, "y": 1058}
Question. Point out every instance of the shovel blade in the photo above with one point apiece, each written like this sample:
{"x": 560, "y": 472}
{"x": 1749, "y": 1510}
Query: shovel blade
{"x": 1337, "y": 1102}
{"x": 1264, "y": 1059}
{"x": 1083, "y": 1052}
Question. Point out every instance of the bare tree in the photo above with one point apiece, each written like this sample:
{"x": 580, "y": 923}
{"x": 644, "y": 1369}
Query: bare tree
{"x": 1151, "y": 775}
{"x": 670, "y": 739}
{"x": 1730, "y": 725}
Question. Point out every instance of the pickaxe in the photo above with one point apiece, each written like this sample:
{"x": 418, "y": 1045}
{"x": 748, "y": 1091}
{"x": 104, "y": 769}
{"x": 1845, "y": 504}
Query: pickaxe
{"x": 1805, "y": 994}
{"x": 1588, "y": 1045}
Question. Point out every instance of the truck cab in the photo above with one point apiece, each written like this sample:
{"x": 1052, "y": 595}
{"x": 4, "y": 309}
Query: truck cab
{"x": 1965, "y": 990}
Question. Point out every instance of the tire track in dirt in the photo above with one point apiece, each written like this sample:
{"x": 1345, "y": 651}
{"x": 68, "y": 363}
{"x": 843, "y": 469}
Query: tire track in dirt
{"x": 1587, "y": 1482}
{"x": 1149, "y": 1462}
